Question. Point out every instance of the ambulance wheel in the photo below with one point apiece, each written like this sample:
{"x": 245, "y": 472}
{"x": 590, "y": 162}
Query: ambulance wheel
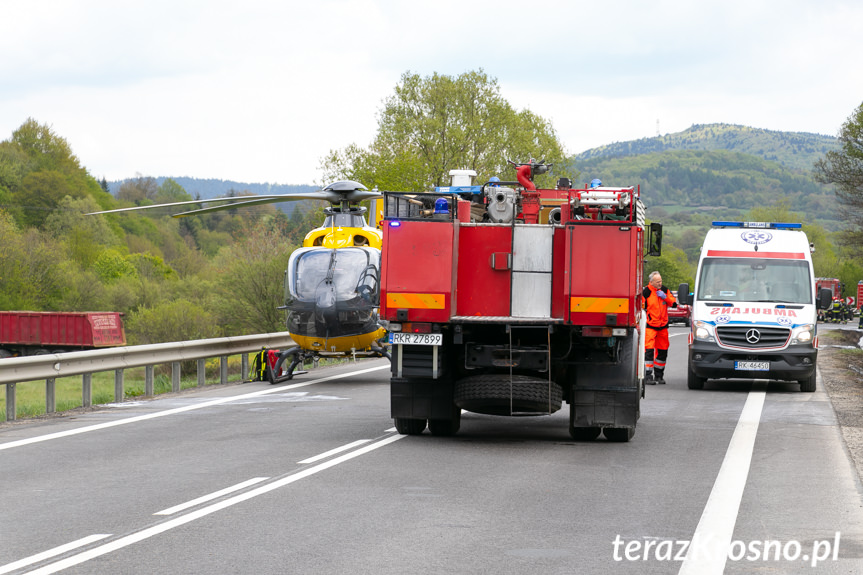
{"x": 618, "y": 434}
{"x": 693, "y": 381}
{"x": 502, "y": 394}
{"x": 808, "y": 385}
{"x": 410, "y": 426}
{"x": 584, "y": 433}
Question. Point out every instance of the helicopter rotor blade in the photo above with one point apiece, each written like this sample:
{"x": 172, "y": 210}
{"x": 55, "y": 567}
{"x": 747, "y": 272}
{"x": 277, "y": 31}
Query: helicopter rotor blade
{"x": 328, "y": 195}
{"x": 151, "y": 206}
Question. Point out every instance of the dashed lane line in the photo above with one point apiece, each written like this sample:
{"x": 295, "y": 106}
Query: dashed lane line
{"x": 154, "y": 530}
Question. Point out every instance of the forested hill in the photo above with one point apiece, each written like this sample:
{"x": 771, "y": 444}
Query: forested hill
{"x": 210, "y": 188}
{"x": 793, "y": 150}
{"x": 720, "y": 167}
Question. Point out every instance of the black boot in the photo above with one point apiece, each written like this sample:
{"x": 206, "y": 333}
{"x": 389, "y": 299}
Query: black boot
{"x": 648, "y": 377}
{"x": 659, "y": 373}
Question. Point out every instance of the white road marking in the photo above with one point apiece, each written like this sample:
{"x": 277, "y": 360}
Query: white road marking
{"x": 8, "y": 568}
{"x": 333, "y": 451}
{"x": 203, "y": 512}
{"x": 136, "y": 419}
{"x": 708, "y": 549}
{"x": 210, "y": 497}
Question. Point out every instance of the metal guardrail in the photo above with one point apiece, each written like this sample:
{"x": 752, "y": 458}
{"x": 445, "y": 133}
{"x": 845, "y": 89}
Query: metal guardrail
{"x": 85, "y": 363}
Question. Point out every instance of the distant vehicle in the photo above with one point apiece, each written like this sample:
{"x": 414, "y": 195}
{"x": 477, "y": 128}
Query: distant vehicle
{"x": 680, "y": 314}
{"x": 42, "y": 332}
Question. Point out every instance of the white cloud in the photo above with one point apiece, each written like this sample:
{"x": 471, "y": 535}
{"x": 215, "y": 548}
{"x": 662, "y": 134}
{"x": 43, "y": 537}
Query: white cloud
{"x": 262, "y": 90}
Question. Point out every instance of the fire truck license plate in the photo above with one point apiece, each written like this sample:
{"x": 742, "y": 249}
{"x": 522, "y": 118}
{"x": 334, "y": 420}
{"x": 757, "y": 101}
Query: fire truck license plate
{"x": 416, "y": 338}
{"x": 752, "y": 365}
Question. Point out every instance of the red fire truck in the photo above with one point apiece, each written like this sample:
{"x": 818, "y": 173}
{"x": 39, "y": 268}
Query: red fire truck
{"x": 505, "y": 299}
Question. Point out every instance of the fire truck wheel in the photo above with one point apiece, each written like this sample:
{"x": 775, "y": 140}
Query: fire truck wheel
{"x": 584, "y": 433}
{"x": 693, "y": 381}
{"x": 808, "y": 385}
{"x": 410, "y": 426}
{"x": 446, "y": 427}
{"x": 497, "y": 394}
{"x": 618, "y": 434}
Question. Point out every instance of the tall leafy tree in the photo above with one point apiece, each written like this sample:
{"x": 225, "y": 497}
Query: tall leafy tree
{"x": 432, "y": 125}
{"x": 844, "y": 168}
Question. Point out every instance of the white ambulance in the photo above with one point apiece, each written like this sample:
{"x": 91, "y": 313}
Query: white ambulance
{"x": 754, "y": 307}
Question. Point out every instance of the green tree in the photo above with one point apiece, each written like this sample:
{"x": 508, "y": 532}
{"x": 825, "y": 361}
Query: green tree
{"x": 251, "y": 282}
{"x": 85, "y": 236}
{"x": 673, "y": 266}
{"x": 432, "y": 125}
{"x": 140, "y": 191}
{"x": 844, "y": 168}
{"x": 177, "y": 320}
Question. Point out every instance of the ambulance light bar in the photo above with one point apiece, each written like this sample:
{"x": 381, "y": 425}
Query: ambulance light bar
{"x": 773, "y": 225}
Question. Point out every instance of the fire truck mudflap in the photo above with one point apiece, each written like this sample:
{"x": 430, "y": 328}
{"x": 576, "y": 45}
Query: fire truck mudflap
{"x": 506, "y": 300}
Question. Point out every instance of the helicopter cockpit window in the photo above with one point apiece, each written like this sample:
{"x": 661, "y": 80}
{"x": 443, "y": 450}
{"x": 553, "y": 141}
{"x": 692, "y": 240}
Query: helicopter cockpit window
{"x": 347, "y": 272}
{"x": 344, "y": 220}
{"x": 332, "y": 292}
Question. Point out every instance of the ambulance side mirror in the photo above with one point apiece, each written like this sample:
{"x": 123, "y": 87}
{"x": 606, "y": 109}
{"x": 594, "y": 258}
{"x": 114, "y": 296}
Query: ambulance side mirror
{"x": 654, "y": 240}
{"x": 825, "y": 298}
{"x": 683, "y": 295}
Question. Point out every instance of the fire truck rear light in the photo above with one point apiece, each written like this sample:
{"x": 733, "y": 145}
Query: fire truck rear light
{"x": 419, "y": 328}
{"x": 395, "y": 326}
{"x": 596, "y": 331}
{"x": 618, "y": 332}
{"x": 395, "y": 223}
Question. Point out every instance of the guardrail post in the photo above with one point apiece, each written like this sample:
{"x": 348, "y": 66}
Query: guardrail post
{"x": 244, "y": 365}
{"x": 223, "y": 369}
{"x": 149, "y": 387}
{"x": 50, "y": 395}
{"x": 10, "y": 402}
{"x": 87, "y": 390}
{"x": 202, "y": 372}
{"x": 175, "y": 376}
{"x": 119, "y": 393}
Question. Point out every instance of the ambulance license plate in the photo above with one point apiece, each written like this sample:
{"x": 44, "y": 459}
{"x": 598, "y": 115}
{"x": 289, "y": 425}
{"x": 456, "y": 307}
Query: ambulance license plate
{"x": 416, "y": 338}
{"x": 752, "y": 365}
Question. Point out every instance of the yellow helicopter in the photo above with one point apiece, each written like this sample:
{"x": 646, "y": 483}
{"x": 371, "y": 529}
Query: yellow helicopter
{"x": 332, "y": 291}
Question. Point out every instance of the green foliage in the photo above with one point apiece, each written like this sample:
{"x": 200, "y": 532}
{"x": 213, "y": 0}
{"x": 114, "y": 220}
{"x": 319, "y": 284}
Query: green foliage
{"x": 673, "y": 265}
{"x": 251, "y": 281}
{"x": 844, "y": 169}
{"x": 111, "y": 265}
{"x": 693, "y": 180}
{"x": 30, "y": 274}
{"x": 178, "y": 320}
{"x": 432, "y": 125}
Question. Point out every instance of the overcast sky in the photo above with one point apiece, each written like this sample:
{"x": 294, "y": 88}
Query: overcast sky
{"x": 260, "y": 90}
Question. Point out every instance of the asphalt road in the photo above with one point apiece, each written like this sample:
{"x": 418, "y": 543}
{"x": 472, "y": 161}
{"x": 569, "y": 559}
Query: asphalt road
{"x": 310, "y": 477}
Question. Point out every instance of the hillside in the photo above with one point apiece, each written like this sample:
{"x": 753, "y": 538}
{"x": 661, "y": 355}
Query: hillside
{"x": 793, "y": 150}
{"x": 719, "y": 167}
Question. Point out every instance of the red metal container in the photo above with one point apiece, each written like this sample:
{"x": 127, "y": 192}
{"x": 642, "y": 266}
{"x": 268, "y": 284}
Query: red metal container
{"x": 26, "y": 331}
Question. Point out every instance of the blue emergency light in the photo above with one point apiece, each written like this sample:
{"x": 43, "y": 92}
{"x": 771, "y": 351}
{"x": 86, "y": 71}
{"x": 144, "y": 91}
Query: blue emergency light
{"x": 772, "y": 225}
{"x": 458, "y": 189}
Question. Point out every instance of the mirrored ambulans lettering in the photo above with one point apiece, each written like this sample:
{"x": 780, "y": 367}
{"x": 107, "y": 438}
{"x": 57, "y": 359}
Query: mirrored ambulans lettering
{"x": 754, "y": 310}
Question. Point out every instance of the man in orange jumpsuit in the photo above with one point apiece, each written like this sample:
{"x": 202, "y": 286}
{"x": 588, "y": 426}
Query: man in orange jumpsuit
{"x": 657, "y": 300}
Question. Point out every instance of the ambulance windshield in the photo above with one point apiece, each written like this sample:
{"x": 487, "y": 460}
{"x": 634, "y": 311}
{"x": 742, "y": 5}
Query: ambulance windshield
{"x": 755, "y": 280}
